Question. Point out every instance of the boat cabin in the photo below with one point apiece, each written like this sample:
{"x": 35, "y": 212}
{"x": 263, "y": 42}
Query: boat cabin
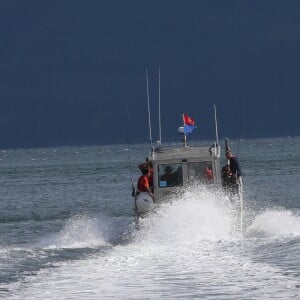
{"x": 176, "y": 168}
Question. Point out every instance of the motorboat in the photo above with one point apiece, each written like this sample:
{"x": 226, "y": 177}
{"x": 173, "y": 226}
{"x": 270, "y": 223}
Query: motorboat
{"x": 173, "y": 169}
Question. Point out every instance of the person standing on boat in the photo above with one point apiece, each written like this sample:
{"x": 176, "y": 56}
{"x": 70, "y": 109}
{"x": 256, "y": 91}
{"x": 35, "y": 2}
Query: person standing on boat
{"x": 234, "y": 165}
{"x": 148, "y": 165}
{"x": 143, "y": 185}
{"x": 231, "y": 173}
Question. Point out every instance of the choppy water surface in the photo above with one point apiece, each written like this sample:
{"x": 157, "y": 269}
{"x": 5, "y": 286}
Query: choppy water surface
{"x": 67, "y": 229}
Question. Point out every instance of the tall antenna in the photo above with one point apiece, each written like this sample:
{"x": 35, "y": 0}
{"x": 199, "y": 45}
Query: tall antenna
{"x": 159, "y": 118}
{"x": 149, "y": 114}
{"x": 129, "y": 157}
{"x": 216, "y": 125}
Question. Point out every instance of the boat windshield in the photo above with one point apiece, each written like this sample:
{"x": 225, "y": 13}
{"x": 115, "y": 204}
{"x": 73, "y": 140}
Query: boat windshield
{"x": 170, "y": 175}
{"x": 200, "y": 171}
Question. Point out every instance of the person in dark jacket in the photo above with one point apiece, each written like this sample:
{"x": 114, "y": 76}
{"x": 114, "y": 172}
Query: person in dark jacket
{"x": 231, "y": 173}
{"x": 234, "y": 165}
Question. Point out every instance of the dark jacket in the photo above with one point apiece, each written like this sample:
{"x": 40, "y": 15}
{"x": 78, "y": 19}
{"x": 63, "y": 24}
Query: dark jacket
{"x": 235, "y": 166}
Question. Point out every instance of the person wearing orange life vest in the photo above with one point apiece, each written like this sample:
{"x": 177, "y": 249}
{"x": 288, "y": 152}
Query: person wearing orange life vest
{"x": 143, "y": 185}
{"x": 208, "y": 173}
{"x": 148, "y": 165}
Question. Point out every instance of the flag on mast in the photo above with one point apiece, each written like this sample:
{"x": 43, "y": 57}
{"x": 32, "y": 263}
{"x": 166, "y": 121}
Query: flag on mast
{"x": 188, "y": 124}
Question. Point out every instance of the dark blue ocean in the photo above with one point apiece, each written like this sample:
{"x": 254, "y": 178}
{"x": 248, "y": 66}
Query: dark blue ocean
{"x": 67, "y": 228}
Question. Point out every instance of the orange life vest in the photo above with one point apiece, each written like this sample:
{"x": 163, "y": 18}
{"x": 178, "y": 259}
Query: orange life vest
{"x": 143, "y": 184}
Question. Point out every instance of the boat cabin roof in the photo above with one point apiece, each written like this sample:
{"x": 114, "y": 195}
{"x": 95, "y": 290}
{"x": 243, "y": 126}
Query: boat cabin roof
{"x": 189, "y": 152}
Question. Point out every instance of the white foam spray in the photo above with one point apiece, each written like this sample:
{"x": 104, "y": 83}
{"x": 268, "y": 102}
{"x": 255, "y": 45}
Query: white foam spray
{"x": 199, "y": 214}
{"x": 188, "y": 248}
{"x": 80, "y": 232}
{"x": 275, "y": 223}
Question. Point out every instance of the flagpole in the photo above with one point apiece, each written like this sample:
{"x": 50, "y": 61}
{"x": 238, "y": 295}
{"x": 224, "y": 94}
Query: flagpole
{"x": 184, "y": 135}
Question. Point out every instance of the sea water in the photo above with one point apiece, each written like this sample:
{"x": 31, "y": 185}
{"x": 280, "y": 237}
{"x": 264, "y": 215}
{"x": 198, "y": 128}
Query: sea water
{"x": 67, "y": 228}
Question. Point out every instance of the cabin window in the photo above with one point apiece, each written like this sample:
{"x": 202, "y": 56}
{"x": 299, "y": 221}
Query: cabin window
{"x": 169, "y": 175}
{"x": 200, "y": 171}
